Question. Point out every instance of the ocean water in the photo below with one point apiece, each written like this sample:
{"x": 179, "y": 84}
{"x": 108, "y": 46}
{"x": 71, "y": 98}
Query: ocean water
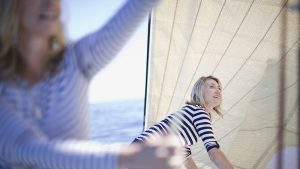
{"x": 116, "y": 122}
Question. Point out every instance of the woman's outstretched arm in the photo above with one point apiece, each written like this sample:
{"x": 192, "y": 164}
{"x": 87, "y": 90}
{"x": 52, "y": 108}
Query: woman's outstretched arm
{"x": 96, "y": 50}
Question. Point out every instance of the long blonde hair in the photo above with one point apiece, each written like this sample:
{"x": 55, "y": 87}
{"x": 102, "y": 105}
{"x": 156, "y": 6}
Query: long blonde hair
{"x": 197, "y": 98}
{"x": 10, "y": 61}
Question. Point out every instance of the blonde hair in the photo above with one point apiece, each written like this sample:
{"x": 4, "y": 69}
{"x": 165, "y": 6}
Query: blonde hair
{"x": 197, "y": 98}
{"x": 10, "y": 61}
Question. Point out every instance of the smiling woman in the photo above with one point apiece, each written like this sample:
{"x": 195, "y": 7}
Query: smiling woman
{"x": 193, "y": 122}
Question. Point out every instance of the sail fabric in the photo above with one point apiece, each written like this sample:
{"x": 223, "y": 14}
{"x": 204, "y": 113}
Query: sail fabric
{"x": 241, "y": 43}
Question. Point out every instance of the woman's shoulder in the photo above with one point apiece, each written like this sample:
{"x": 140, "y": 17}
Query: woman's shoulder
{"x": 193, "y": 107}
{"x": 67, "y": 61}
{"x": 196, "y": 111}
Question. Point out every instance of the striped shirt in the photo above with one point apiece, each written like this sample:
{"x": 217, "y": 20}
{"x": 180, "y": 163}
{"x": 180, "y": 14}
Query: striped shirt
{"x": 45, "y": 125}
{"x": 189, "y": 123}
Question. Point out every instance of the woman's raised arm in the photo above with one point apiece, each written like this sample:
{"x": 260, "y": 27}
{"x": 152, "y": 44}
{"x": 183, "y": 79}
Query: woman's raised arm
{"x": 96, "y": 50}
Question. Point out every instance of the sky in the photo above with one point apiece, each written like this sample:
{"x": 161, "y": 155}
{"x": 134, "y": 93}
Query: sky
{"x": 124, "y": 78}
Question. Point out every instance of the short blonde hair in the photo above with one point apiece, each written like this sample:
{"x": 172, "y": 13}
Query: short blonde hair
{"x": 197, "y": 98}
{"x": 10, "y": 61}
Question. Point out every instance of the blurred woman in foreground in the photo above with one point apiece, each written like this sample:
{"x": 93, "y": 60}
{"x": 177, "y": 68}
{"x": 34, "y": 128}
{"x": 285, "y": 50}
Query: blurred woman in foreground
{"x": 44, "y": 85}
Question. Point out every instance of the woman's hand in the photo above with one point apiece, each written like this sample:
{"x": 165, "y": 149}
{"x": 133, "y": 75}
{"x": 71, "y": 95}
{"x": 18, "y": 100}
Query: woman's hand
{"x": 158, "y": 154}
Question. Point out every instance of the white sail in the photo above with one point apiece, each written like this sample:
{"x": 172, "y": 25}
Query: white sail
{"x": 238, "y": 41}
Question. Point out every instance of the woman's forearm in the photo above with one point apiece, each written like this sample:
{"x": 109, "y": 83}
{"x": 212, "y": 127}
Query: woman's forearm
{"x": 190, "y": 164}
{"x": 219, "y": 159}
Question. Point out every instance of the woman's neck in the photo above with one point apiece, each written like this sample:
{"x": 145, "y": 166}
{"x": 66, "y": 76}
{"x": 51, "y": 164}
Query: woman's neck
{"x": 33, "y": 51}
{"x": 208, "y": 108}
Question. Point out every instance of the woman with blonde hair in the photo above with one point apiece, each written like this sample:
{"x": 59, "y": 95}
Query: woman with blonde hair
{"x": 193, "y": 122}
{"x": 44, "y": 85}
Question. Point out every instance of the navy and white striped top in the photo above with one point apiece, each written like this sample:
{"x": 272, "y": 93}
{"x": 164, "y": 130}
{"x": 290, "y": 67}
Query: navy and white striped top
{"x": 189, "y": 123}
{"x": 46, "y": 125}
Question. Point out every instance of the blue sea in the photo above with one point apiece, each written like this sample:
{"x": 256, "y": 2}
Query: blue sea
{"x": 116, "y": 122}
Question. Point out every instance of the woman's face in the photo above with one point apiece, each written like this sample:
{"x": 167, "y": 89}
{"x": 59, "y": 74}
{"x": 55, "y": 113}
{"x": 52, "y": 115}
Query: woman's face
{"x": 212, "y": 93}
{"x": 40, "y": 17}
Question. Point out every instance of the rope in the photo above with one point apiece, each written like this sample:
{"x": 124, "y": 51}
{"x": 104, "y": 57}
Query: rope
{"x": 281, "y": 104}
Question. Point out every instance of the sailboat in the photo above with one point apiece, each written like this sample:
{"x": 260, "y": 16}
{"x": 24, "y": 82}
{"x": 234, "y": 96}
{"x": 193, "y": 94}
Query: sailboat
{"x": 252, "y": 46}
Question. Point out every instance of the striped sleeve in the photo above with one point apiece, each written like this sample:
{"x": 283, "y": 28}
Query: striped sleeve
{"x": 96, "y": 50}
{"x": 204, "y": 129}
{"x": 24, "y": 145}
